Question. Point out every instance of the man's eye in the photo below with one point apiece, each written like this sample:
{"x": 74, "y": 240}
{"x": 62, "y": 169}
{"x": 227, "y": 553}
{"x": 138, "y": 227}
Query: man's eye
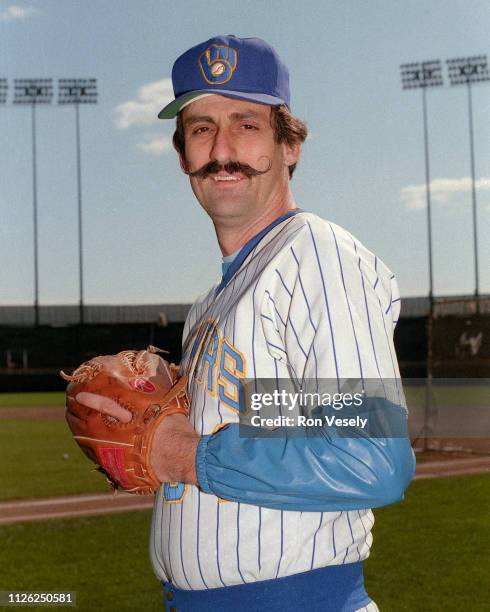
{"x": 200, "y": 130}
{"x": 248, "y": 126}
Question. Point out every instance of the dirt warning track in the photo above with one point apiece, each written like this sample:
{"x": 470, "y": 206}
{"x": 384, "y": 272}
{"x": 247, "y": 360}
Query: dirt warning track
{"x": 37, "y": 413}
{"x": 454, "y": 467}
{"x": 70, "y": 506}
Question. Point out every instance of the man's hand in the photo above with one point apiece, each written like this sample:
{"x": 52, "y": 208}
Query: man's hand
{"x": 173, "y": 451}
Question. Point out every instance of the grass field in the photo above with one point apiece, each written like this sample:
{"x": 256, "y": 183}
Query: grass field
{"x": 41, "y": 398}
{"x": 104, "y": 559}
{"x": 40, "y": 458}
{"x": 467, "y": 395}
{"x": 471, "y": 395}
{"x": 430, "y": 553}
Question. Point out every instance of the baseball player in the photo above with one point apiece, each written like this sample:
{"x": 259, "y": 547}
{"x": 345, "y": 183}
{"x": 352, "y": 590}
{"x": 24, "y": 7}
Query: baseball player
{"x": 261, "y": 523}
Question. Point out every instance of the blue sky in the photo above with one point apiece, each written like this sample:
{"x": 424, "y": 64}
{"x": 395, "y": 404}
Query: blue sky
{"x": 146, "y": 238}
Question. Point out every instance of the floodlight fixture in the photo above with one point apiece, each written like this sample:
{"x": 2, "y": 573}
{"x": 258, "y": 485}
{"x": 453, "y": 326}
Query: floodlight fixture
{"x": 33, "y": 91}
{"x": 3, "y": 91}
{"x": 77, "y": 91}
{"x": 417, "y": 75}
{"x": 463, "y": 70}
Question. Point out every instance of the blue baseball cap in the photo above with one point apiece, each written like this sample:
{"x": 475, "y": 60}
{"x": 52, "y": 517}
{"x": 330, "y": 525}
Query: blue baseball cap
{"x": 242, "y": 68}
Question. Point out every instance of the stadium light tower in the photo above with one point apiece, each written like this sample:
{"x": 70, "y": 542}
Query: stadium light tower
{"x": 467, "y": 71}
{"x": 34, "y": 92}
{"x": 421, "y": 75}
{"x": 76, "y": 92}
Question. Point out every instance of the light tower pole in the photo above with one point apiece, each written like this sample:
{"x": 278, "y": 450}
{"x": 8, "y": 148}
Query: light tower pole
{"x": 76, "y": 92}
{"x": 421, "y": 75}
{"x": 34, "y": 92}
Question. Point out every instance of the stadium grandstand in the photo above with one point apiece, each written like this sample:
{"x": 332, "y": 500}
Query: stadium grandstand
{"x": 31, "y": 356}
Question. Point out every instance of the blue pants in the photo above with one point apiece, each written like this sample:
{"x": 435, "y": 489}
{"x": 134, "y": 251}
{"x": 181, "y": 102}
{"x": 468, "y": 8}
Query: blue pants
{"x": 337, "y": 588}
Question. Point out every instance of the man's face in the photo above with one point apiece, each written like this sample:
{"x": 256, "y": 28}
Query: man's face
{"x": 223, "y": 130}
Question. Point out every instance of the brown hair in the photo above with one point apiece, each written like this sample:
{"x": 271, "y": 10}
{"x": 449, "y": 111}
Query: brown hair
{"x": 287, "y": 128}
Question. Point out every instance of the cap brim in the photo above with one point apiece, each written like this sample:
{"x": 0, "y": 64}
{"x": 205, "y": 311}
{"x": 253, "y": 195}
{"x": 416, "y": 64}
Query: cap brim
{"x": 170, "y": 111}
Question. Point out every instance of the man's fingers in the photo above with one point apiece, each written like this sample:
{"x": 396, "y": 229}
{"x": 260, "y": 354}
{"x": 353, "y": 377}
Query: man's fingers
{"x": 105, "y": 405}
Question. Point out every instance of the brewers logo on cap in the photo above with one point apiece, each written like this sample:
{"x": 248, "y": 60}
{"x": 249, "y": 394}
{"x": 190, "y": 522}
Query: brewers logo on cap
{"x": 217, "y": 64}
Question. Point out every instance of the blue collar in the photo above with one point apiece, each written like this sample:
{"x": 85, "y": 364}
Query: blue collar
{"x": 249, "y": 247}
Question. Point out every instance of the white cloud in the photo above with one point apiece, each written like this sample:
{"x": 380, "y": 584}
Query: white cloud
{"x": 158, "y": 145}
{"x": 442, "y": 190}
{"x": 151, "y": 98}
{"x": 15, "y": 13}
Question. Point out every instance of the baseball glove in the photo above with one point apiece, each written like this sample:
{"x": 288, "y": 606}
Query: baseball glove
{"x": 141, "y": 382}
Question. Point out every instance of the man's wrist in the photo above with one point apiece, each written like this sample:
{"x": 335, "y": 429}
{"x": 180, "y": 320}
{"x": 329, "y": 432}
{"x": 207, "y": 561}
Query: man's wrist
{"x": 174, "y": 450}
{"x": 186, "y": 469}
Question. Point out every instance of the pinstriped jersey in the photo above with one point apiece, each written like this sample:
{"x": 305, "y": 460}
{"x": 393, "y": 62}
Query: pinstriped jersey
{"x": 309, "y": 301}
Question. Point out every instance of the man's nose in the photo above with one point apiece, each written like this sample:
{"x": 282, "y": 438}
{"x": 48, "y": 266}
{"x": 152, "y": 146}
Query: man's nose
{"x": 223, "y": 149}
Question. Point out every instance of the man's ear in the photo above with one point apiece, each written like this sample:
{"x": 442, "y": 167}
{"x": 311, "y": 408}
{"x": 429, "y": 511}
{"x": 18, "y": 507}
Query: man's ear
{"x": 182, "y": 160}
{"x": 291, "y": 153}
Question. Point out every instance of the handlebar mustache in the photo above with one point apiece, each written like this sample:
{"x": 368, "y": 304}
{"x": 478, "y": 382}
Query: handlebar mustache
{"x": 230, "y": 168}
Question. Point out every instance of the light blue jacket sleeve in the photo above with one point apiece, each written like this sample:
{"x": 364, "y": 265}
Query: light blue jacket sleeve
{"x": 308, "y": 473}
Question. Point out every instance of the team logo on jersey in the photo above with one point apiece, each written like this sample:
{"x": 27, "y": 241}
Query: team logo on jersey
{"x": 218, "y": 64}
{"x": 216, "y": 364}
{"x": 142, "y": 384}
